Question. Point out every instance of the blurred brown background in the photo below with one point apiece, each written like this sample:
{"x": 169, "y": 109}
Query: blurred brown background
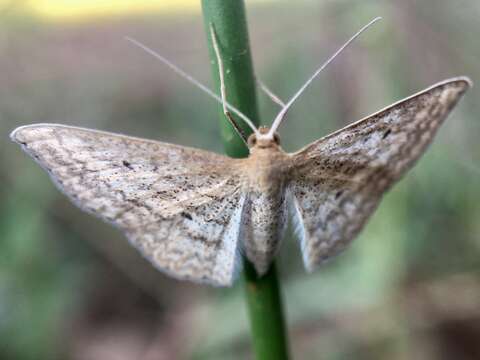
{"x": 72, "y": 288}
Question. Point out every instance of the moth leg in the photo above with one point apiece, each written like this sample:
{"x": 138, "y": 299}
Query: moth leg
{"x": 270, "y": 93}
{"x": 223, "y": 93}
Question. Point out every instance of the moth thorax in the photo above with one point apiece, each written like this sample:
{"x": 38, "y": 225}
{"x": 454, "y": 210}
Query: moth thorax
{"x": 263, "y": 139}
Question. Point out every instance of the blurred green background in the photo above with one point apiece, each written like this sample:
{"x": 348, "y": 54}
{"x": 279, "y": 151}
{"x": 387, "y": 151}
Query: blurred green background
{"x": 72, "y": 288}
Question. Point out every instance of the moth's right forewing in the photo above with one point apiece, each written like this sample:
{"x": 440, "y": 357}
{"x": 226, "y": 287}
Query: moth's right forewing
{"x": 338, "y": 180}
{"x": 181, "y": 207}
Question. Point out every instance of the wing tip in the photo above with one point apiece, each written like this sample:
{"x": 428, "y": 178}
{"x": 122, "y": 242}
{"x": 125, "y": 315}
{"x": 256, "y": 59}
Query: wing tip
{"x": 463, "y": 83}
{"x": 463, "y": 79}
{"x": 16, "y": 134}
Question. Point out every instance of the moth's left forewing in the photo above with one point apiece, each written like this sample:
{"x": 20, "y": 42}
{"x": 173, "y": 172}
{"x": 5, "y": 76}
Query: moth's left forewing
{"x": 337, "y": 181}
{"x": 180, "y": 207}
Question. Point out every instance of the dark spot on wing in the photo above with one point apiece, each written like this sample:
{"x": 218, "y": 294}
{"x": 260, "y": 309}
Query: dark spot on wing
{"x": 386, "y": 133}
{"x": 186, "y": 215}
{"x": 127, "y": 164}
{"x": 338, "y": 194}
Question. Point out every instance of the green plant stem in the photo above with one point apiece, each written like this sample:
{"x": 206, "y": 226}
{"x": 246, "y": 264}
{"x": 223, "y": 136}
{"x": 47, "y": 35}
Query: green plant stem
{"x": 266, "y": 313}
{"x": 263, "y": 294}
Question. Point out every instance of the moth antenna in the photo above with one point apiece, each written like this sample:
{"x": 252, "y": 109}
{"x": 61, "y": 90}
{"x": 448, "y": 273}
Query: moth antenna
{"x": 192, "y": 80}
{"x": 270, "y": 93}
{"x": 223, "y": 91}
{"x": 283, "y": 112}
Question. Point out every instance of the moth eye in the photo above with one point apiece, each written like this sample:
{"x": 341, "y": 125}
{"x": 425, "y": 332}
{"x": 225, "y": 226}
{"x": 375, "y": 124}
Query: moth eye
{"x": 276, "y": 138}
{"x": 252, "y": 140}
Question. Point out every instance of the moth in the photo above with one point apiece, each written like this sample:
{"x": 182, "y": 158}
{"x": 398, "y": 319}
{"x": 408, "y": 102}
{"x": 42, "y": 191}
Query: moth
{"x": 193, "y": 213}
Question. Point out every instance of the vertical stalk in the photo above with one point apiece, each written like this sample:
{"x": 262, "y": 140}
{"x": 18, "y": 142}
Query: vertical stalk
{"x": 262, "y": 294}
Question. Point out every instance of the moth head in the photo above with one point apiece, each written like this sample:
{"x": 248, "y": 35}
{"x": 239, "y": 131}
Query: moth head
{"x": 263, "y": 139}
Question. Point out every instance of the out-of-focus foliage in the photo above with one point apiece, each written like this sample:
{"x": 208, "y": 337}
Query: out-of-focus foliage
{"x": 71, "y": 287}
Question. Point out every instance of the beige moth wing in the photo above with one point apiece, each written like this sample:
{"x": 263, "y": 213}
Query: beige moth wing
{"x": 181, "y": 207}
{"x": 338, "y": 181}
